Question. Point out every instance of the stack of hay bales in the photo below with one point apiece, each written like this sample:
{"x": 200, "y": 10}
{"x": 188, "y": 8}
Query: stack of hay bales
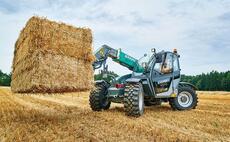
{"x": 52, "y": 57}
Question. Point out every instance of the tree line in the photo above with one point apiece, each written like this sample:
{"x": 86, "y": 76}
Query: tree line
{"x": 5, "y": 79}
{"x": 109, "y": 77}
{"x": 213, "y": 81}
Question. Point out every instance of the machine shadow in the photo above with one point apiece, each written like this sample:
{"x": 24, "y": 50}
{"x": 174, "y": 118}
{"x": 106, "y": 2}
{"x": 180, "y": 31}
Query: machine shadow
{"x": 160, "y": 108}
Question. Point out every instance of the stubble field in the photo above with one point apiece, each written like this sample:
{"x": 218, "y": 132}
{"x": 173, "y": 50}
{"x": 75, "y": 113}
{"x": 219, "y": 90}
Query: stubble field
{"x": 68, "y": 117}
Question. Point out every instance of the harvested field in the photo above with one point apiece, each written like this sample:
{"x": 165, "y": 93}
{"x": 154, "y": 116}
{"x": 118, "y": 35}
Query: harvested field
{"x": 52, "y": 57}
{"x": 68, "y": 118}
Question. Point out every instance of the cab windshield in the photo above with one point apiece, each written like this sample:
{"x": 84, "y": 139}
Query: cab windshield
{"x": 149, "y": 59}
{"x": 144, "y": 59}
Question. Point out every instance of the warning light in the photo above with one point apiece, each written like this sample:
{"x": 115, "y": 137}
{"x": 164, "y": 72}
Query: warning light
{"x": 175, "y": 50}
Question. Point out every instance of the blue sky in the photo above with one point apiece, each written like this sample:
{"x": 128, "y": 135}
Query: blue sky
{"x": 199, "y": 29}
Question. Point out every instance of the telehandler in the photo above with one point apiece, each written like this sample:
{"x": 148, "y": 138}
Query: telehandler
{"x": 151, "y": 82}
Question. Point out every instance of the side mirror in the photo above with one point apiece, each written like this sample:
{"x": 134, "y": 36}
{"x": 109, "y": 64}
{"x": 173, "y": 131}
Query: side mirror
{"x": 153, "y": 50}
{"x": 159, "y": 58}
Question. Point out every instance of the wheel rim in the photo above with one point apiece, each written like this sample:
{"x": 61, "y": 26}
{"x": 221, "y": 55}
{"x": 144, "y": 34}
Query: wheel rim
{"x": 185, "y": 99}
{"x": 141, "y": 102}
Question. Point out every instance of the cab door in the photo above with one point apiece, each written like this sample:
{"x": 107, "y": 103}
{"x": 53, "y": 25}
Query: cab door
{"x": 165, "y": 75}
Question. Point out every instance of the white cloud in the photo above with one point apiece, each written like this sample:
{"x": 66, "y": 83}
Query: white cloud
{"x": 198, "y": 29}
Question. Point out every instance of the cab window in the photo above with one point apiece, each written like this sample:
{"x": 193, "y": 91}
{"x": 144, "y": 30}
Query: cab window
{"x": 157, "y": 67}
{"x": 175, "y": 63}
{"x": 167, "y": 65}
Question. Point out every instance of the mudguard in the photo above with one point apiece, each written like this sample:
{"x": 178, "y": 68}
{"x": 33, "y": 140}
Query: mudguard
{"x": 103, "y": 82}
{"x": 148, "y": 90}
{"x": 188, "y": 84}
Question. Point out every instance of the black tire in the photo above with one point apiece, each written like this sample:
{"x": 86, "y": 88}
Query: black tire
{"x": 134, "y": 100}
{"x": 177, "y": 103}
{"x": 97, "y": 98}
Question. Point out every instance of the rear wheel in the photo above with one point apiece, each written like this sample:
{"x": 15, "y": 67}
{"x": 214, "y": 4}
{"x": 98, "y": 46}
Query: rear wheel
{"x": 134, "y": 100}
{"x": 98, "y": 99}
{"x": 186, "y": 99}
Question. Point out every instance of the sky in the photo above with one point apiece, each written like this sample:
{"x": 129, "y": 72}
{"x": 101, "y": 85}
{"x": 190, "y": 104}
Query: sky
{"x": 198, "y": 29}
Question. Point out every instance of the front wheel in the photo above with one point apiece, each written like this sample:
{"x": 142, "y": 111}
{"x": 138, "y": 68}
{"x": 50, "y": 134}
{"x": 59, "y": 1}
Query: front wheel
{"x": 134, "y": 99}
{"x": 186, "y": 99}
{"x": 98, "y": 99}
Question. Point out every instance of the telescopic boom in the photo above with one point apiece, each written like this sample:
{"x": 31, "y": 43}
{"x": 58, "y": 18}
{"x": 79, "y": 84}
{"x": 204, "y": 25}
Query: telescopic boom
{"x": 118, "y": 56}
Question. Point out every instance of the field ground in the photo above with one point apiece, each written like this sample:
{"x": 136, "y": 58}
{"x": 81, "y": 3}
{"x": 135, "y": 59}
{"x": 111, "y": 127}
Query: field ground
{"x": 68, "y": 118}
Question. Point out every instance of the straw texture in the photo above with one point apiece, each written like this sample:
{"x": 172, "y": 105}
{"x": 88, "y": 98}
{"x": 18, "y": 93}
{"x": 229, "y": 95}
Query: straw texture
{"x": 52, "y": 57}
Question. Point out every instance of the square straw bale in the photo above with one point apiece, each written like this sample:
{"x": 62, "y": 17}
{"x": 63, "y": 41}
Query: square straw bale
{"x": 52, "y": 57}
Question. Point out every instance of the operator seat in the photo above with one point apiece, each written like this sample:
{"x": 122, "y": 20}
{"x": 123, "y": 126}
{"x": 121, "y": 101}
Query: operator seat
{"x": 166, "y": 69}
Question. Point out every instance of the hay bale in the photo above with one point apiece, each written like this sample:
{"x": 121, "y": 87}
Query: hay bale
{"x": 52, "y": 57}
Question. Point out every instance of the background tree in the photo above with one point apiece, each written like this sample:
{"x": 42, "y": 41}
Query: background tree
{"x": 5, "y": 79}
{"x": 213, "y": 81}
{"x": 110, "y": 76}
